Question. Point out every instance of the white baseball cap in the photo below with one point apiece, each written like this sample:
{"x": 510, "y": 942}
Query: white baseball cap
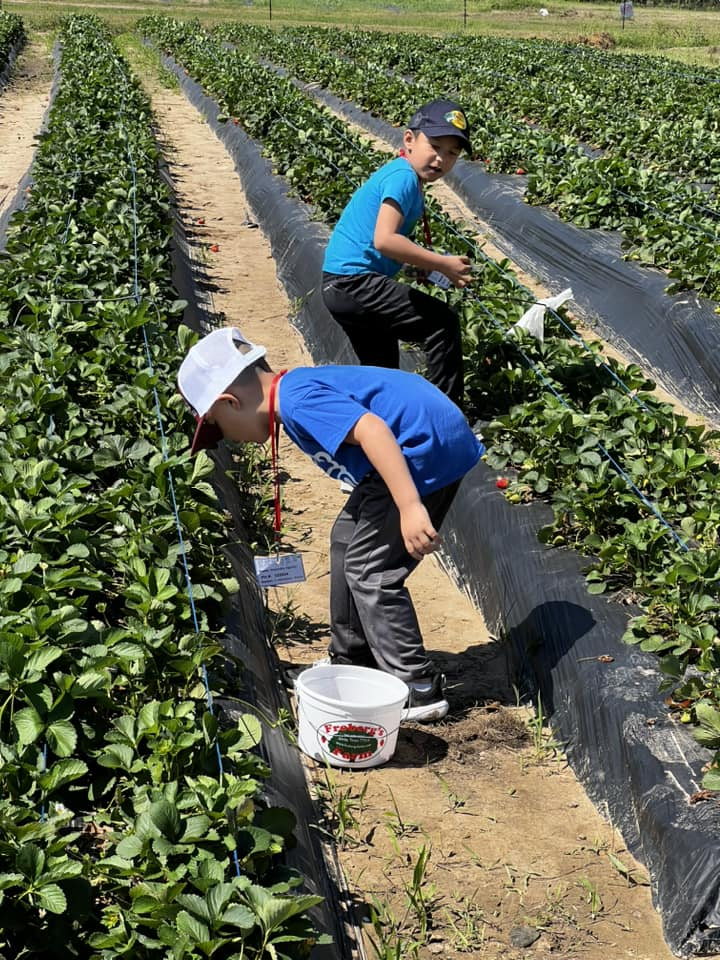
{"x": 209, "y": 368}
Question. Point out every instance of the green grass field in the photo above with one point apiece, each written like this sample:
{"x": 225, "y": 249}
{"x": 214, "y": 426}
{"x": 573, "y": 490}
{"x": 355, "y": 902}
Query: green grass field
{"x": 690, "y": 36}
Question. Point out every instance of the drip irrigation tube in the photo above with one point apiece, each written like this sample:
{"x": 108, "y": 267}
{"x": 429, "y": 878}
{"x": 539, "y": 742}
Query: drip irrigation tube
{"x": 637, "y": 764}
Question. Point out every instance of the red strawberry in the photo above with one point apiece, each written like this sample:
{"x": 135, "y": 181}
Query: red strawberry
{"x": 520, "y": 171}
{"x": 215, "y": 247}
{"x": 200, "y": 221}
{"x": 501, "y": 483}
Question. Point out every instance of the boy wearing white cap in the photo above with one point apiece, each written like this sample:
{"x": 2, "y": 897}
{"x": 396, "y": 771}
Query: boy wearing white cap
{"x": 371, "y": 242}
{"x": 394, "y": 436}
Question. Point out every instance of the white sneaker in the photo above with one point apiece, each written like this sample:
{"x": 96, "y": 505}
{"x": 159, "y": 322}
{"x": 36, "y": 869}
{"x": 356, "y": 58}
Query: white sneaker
{"x": 427, "y": 706}
{"x": 346, "y": 487}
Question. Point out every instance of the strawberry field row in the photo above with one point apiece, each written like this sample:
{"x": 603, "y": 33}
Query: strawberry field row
{"x": 631, "y": 483}
{"x": 121, "y": 833}
{"x": 667, "y": 221}
{"x": 634, "y": 106}
{"x": 12, "y": 36}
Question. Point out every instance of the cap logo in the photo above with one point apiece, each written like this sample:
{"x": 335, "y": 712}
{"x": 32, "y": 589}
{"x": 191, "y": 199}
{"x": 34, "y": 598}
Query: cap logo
{"x": 457, "y": 119}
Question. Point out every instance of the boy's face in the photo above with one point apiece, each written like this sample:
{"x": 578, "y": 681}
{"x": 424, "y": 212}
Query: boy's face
{"x": 431, "y": 157}
{"x": 238, "y": 420}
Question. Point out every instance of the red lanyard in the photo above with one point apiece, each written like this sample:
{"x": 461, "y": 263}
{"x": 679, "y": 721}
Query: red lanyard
{"x": 274, "y": 440}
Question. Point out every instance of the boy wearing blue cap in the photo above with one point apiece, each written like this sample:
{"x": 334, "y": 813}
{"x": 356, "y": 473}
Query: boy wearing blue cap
{"x": 398, "y": 440}
{"x": 370, "y": 244}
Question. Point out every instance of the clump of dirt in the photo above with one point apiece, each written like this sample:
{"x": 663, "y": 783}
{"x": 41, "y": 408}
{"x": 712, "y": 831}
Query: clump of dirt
{"x": 494, "y": 726}
{"x": 601, "y": 41}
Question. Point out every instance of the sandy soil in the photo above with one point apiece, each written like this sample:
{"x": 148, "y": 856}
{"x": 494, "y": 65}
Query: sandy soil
{"x": 477, "y": 821}
{"x": 22, "y": 105}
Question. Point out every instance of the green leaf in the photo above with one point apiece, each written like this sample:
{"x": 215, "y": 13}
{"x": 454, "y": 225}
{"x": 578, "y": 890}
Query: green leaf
{"x": 272, "y": 911}
{"x": 129, "y": 848}
{"x": 711, "y": 780}
{"x": 64, "y": 869}
{"x": 28, "y": 724}
{"x": 78, "y": 550}
{"x": 618, "y": 864}
{"x": 26, "y": 563}
{"x": 218, "y": 896}
{"x": 239, "y": 916}
{"x": 30, "y": 861}
{"x": 62, "y": 772}
{"x": 141, "y": 449}
{"x": 11, "y": 585}
{"x": 52, "y": 898}
{"x": 708, "y": 732}
{"x": 203, "y": 466}
{"x": 191, "y": 929}
{"x": 42, "y": 658}
{"x": 61, "y": 737}
{"x": 196, "y": 828}
{"x": 117, "y": 756}
{"x": 148, "y": 717}
{"x": 166, "y": 818}
{"x": 197, "y": 906}
{"x": 251, "y": 729}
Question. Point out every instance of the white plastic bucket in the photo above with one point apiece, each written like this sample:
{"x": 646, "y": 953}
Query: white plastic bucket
{"x": 349, "y": 716}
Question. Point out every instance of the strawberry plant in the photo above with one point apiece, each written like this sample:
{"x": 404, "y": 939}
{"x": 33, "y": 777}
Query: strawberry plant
{"x": 120, "y": 832}
{"x": 12, "y": 37}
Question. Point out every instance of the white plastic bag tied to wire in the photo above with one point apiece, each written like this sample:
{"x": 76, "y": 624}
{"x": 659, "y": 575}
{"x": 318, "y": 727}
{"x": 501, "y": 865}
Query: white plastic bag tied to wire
{"x": 533, "y": 320}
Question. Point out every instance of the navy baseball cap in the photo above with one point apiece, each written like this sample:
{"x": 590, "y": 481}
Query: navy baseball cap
{"x": 442, "y": 118}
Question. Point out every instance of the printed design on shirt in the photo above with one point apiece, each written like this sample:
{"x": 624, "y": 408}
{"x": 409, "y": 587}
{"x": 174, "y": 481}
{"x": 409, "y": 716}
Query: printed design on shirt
{"x": 332, "y": 468}
{"x": 457, "y": 119}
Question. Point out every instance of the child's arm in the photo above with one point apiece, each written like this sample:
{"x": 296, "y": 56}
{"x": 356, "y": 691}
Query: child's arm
{"x": 388, "y": 241}
{"x": 383, "y": 452}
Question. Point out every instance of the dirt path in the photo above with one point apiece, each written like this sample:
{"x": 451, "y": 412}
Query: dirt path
{"x": 476, "y": 835}
{"x": 22, "y": 105}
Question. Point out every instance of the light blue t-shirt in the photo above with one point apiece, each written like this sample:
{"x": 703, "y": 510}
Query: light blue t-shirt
{"x": 320, "y": 405}
{"x": 350, "y": 248}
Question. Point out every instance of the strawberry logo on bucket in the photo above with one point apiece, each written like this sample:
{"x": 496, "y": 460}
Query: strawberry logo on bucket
{"x": 352, "y": 741}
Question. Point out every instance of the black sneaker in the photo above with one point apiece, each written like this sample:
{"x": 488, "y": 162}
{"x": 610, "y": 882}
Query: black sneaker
{"x": 290, "y": 674}
{"x": 429, "y": 705}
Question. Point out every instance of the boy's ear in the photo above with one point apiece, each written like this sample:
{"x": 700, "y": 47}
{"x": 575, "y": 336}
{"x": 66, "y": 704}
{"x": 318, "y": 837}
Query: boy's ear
{"x": 224, "y": 397}
{"x": 408, "y": 139}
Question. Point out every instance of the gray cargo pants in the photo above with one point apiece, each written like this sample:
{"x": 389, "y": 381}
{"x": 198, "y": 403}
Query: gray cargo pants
{"x": 373, "y": 621}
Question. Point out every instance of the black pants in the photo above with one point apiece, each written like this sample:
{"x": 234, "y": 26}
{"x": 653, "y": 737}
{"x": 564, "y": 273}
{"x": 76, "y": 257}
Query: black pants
{"x": 372, "y": 617}
{"x": 376, "y": 312}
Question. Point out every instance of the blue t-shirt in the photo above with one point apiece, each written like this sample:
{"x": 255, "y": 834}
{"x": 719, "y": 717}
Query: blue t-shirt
{"x": 350, "y": 248}
{"x": 319, "y": 406}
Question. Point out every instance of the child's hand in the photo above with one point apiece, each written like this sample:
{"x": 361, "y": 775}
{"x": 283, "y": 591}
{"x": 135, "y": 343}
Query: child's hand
{"x": 457, "y": 270}
{"x": 419, "y": 534}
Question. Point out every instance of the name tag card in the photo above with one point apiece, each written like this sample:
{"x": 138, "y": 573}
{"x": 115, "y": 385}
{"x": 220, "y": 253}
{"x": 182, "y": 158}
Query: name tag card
{"x": 277, "y": 571}
{"x": 439, "y": 279}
